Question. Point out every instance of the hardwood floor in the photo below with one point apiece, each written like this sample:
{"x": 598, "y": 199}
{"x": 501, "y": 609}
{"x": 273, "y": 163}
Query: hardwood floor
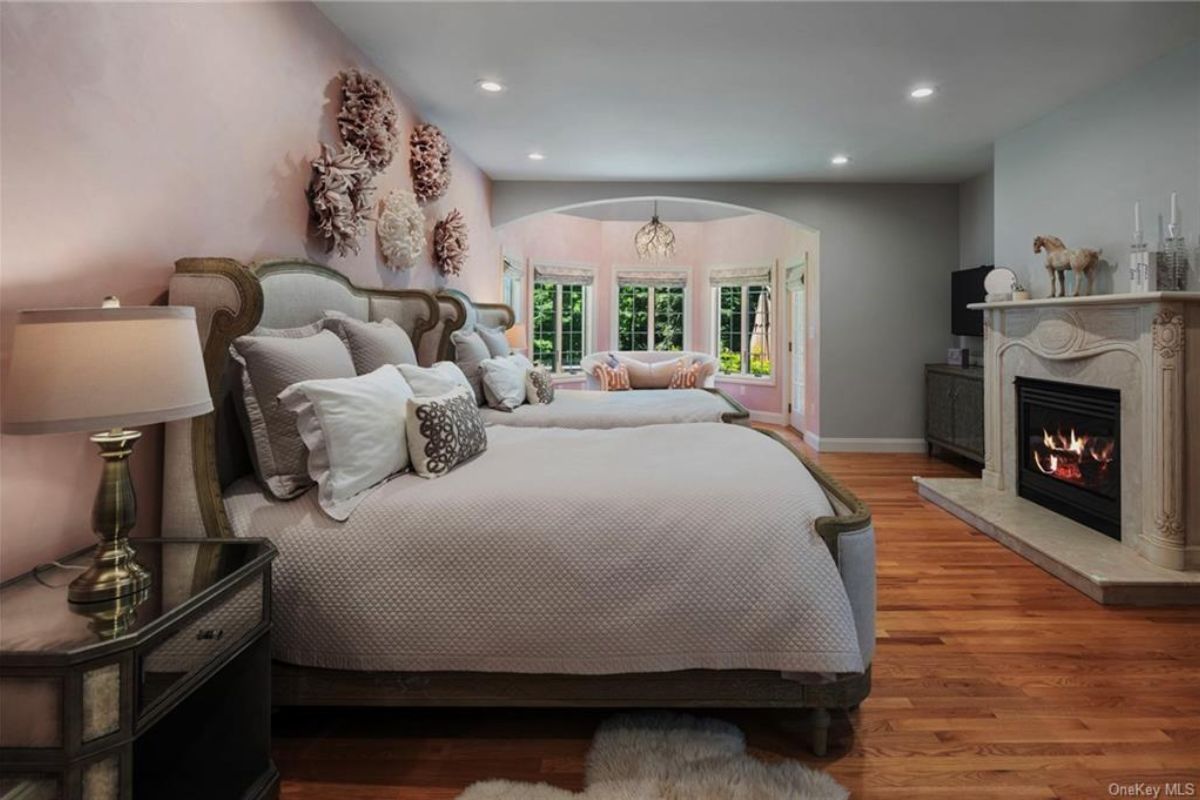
{"x": 992, "y": 679}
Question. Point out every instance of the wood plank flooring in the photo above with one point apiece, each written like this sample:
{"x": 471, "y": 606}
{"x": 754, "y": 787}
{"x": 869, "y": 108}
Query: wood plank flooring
{"x": 992, "y": 679}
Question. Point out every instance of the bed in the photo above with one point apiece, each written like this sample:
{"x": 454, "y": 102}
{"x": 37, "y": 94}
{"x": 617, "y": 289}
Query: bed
{"x": 559, "y": 568}
{"x": 573, "y": 408}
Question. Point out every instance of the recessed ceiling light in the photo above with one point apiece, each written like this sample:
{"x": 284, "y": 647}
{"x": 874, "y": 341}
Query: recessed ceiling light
{"x": 921, "y": 92}
{"x": 839, "y": 160}
{"x": 487, "y": 85}
{"x": 536, "y": 156}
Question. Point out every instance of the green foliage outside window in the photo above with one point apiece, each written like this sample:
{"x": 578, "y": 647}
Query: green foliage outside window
{"x": 556, "y": 346}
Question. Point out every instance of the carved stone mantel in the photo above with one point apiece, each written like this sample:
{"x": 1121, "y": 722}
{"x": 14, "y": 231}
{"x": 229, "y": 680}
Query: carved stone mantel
{"x": 1148, "y": 347}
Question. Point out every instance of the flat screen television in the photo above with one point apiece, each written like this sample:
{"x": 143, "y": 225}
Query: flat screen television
{"x": 966, "y": 286}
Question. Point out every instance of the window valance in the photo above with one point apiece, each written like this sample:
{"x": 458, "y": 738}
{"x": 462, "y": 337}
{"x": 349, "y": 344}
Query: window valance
{"x": 652, "y": 277}
{"x": 740, "y": 276}
{"x": 795, "y": 276}
{"x": 584, "y": 276}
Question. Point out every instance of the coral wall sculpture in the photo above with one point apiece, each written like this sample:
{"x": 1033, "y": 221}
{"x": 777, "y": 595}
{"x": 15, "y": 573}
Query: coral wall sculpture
{"x": 339, "y": 195}
{"x": 369, "y": 119}
{"x": 429, "y": 159}
{"x": 450, "y": 243}
{"x": 401, "y": 229}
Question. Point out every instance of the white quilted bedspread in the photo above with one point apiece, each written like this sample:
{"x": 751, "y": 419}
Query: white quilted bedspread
{"x": 576, "y": 408}
{"x": 576, "y": 551}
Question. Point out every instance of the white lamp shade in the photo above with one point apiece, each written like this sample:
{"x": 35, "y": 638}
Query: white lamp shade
{"x": 93, "y": 369}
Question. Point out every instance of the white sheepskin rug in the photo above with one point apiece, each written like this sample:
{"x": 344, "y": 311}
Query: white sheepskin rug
{"x": 674, "y": 757}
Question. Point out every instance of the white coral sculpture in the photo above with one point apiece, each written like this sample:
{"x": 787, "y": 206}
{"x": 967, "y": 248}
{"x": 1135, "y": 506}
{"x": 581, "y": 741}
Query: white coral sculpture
{"x": 401, "y": 229}
{"x": 339, "y": 195}
{"x": 369, "y": 119}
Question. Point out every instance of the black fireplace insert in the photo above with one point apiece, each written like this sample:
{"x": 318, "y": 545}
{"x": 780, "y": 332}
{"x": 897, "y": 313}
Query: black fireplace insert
{"x": 1069, "y": 451}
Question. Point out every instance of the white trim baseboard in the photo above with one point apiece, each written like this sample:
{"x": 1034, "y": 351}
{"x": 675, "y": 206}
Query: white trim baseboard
{"x": 827, "y": 444}
{"x": 769, "y": 417}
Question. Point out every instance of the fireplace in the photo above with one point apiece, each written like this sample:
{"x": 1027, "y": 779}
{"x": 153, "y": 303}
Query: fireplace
{"x": 1069, "y": 451}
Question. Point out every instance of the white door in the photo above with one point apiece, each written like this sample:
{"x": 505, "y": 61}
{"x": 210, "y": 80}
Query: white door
{"x": 796, "y": 346}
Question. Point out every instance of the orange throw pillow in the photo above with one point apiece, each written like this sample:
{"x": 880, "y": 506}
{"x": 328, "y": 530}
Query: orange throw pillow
{"x": 612, "y": 379}
{"x": 685, "y": 376}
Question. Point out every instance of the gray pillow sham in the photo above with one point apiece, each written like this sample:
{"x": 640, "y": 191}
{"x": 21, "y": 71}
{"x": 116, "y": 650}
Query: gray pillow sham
{"x": 469, "y": 353}
{"x": 271, "y": 361}
{"x": 372, "y": 344}
{"x": 495, "y": 340}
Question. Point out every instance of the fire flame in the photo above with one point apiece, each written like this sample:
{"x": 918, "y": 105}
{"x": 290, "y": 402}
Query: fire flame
{"x": 1066, "y": 457}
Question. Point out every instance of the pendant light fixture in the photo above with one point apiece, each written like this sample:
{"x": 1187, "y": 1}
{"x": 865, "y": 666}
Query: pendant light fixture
{"x": 654, "y": 240}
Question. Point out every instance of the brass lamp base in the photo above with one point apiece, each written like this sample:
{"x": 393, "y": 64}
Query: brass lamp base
{"x": 114, "y": 571}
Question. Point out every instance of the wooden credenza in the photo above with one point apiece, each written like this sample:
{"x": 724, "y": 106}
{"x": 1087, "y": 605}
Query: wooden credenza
{"x": 954, "y": 409}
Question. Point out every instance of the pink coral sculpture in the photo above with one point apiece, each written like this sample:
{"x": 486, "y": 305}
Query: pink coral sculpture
{"x": 429, "y": 159}
{"x": 450, "y": 243}
{"x": 369, "y": 119}
{"x": 339, "y": 195}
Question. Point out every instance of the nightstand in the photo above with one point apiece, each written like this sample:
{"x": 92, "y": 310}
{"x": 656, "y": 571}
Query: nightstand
{"x": 167, "y": 695}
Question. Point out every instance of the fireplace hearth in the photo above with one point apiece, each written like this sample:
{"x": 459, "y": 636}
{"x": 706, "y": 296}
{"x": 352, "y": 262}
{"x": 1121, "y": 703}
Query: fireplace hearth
{"x": 1068, "y": 451}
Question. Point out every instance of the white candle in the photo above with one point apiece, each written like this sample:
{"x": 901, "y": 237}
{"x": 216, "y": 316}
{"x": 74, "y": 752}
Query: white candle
{"x": 1137, "y": 219}
{"x": 1174, "y": 211}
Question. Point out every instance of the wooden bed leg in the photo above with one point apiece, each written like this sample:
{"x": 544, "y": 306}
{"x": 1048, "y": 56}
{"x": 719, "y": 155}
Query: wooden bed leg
{"x": 820, "y": 731}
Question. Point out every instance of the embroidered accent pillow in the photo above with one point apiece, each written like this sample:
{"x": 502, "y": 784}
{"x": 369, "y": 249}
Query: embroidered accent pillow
{"x": 685, "y": 376}
{"x": 539, "y": 387}
{"x": 444, "y": 431}
{"x": 612, "y": 379}
{"x": 503, "y": 382}
{"x": 372, "y": 344}
{"x": 355, "y": 432}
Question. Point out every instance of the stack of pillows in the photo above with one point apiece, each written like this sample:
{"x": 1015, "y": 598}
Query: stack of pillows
{"x": 342, "y": 404}
{"x": 500, "y": 378}
{"x": 621, "y": 374}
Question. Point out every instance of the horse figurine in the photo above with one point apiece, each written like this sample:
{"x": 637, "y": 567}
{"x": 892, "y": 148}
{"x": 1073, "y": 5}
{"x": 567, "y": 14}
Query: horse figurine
{"x": 1060, "y": 258}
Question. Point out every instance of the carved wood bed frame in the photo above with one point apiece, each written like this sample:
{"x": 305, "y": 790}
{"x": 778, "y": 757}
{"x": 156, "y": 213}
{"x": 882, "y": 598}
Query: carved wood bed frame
{"x": 193, "y": 500}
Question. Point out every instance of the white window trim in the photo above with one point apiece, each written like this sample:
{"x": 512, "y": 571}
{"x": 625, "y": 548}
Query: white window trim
{"x": 589, "y": 325}
{"x": 714, "y": 333}
{"x": 615, "y": 339}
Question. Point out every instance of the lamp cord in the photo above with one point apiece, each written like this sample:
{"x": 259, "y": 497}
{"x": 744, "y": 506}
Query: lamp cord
{"x": 41, "y": 568}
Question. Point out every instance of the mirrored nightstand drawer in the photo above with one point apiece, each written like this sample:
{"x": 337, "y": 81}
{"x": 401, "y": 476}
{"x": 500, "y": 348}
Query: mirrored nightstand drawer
{"x": 165, "y": 664}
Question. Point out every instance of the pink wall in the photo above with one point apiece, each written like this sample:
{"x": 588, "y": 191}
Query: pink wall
{"x": 754, "y": 239}
{"x": 134, "y": 134}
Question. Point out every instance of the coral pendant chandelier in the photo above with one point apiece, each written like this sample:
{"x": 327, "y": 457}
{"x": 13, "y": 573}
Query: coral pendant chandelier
{"x": 654, "y": 240}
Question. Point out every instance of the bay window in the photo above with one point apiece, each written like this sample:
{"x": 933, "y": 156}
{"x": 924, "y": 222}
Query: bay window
{"x": 742, "y": 335}
{"x": 561, "y": 317}
{"x": 651, "y": 310}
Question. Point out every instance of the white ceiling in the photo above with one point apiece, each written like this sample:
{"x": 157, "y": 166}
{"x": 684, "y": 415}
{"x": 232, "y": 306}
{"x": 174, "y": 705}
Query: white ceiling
{"x": 746, "y": 90}
{"x": 668, "y": 211}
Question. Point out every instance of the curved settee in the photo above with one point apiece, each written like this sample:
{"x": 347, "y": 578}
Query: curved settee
{"x": 589, "y": 362}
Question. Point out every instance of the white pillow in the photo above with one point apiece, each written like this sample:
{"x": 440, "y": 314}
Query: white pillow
{"x": 355, "y": 432}
{"x": 442, "y": 377}
{"x": 444, "y": 431}
{"x": 503, "y": 382}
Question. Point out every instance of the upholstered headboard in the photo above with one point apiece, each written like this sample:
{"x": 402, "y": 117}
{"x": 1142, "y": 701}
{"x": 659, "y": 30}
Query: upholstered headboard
{"x": 460, "y": 312}
{"x": 204, "y": 455}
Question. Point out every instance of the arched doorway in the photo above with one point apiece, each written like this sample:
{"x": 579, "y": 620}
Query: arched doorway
{"x": 730, "y": 289}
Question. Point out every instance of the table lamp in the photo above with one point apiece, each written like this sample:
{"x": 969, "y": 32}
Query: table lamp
{"x": 104, "y": 369}
{"x": 516, "y": 336}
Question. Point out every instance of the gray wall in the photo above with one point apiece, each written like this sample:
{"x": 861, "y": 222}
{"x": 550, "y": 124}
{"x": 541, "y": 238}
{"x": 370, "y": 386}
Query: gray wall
{"x": 976, "y": 220}
{"x": 1076, "y": 172}
{"x": 884, "y": 291}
